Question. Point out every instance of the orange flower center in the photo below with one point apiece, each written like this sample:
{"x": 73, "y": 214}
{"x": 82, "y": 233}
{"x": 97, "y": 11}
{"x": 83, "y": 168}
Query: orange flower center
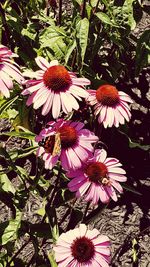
{"x": 57, "y": 78}
{"x": 97, "y": 172}
{"x": 107, "y": 95}
{"x": 68, "y": 136}
{"x": 82, "y": 249}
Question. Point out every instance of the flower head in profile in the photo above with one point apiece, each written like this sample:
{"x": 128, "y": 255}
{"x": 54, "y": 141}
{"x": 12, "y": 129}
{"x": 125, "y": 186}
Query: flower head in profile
{"x": 81, "y": 247}
{"x": 8, "y": 71}
{"x": 66, "y": 140}
{"x": 110, "y": 105}
{"x": 98, "y": 178}
{"x": 55, "y": 88}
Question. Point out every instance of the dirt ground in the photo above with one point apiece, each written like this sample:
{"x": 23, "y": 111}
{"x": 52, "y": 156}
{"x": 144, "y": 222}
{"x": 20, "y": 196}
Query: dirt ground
{"x": 123, "y": 221}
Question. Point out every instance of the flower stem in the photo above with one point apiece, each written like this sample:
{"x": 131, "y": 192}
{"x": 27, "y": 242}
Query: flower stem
{"x": 60, "y": 13}
{"x": 83, "y": 9}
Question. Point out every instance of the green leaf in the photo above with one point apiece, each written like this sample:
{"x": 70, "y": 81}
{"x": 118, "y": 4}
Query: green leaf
{"x": 5, "y": 184}
{"x": 135, "y": 144}
{"x": 52, "y": 260}
{"x": 131, "y": 189}
{"x": 21, "y": 153}
{"x": 69, "y": 50}
{"x": 53, "y": 38}
{"x": 82, "y": 32}
{"x": 5, "y": 105}
{"x": 9, "y": 229}
{"x": 127, "y": 11}
{"x": 104, "y": 18}
{"x": 27, "y": 135}
{"x": 52, "y": 217}
{"x": 143, "y": 52}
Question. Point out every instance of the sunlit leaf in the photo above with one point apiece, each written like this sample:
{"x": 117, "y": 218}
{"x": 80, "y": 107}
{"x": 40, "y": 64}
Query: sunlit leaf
{"x": 82, "y": 29}
{"x": 9, "y": 229}
{"x": 5, "y": 184}
{"x": 104, "y": 18}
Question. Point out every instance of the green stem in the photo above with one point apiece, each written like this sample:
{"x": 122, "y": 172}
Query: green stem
{"x": 83, "y": 9}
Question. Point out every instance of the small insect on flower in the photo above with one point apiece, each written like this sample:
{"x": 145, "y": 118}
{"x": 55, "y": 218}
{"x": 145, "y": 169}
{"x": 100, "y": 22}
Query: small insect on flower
{"x": 66, "y": 140}
{"x": 98, "y": 178}
{"x": 54, "y": 142}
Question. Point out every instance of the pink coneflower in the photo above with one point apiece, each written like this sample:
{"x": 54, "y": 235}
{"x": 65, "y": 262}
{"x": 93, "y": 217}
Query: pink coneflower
{"x": 81, "y": 247}
{"x": 110, "y": 105}
{"x": 75, "y": 144}
{"x": 98, "y": 178}
{"x": 55, "y": 88}
{"x": 8, "y": 71}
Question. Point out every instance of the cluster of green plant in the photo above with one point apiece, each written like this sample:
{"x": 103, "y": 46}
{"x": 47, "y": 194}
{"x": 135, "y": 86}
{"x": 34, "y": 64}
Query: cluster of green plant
{"x": 93, "y": 38}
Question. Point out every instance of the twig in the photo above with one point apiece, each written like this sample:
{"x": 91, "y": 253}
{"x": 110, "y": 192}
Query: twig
{"x": 60, "y": 12}
{"x": 83, "y": 9}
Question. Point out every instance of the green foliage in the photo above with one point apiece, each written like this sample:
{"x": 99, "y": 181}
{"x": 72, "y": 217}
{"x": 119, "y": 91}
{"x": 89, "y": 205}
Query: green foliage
{"x": 96, "y": 41}
{"x": 9, "y": 229}
{"x": 143, "y": 52}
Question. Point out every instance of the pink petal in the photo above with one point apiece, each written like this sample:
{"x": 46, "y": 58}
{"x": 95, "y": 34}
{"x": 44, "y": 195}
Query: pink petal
{"x": 78, "y": 91}
{"x": 47, "y": 106}
{"x": 33, "y": 88}
{"x": 6, "y": 79}
{"x": 111, "y": 192}
{"x": 83, "y": 188}
{"x": 74, "y": 158}
{"x": 82, "y": 229}
{"x": 73, "y": 101}
{"x": 117, "y": 177}
{"x": 80, "y": 81}
{"x": 117, "y": 170}
{"x": 40, "y": 151}
{"x": 42, "y": 63}
{"x": 100, "y": 155}
{"x": 123, "y": 112}
{"x": 81, "y": 152}
{"x": 4, "y": 89}
{"x": 117, "y": 186}
{"x": 13, "y": 72}
{"x": 66, "y": 105}
{"x": 56, "y": 106}
{"x": 40, "y": 98}
{"x": 104, "y": 197}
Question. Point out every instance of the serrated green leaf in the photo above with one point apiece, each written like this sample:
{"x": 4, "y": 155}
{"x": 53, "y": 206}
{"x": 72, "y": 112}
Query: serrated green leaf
{"x": 9, "y": 229}
{"x": 53, "y": 38}
{"x": 82, "y": 32}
